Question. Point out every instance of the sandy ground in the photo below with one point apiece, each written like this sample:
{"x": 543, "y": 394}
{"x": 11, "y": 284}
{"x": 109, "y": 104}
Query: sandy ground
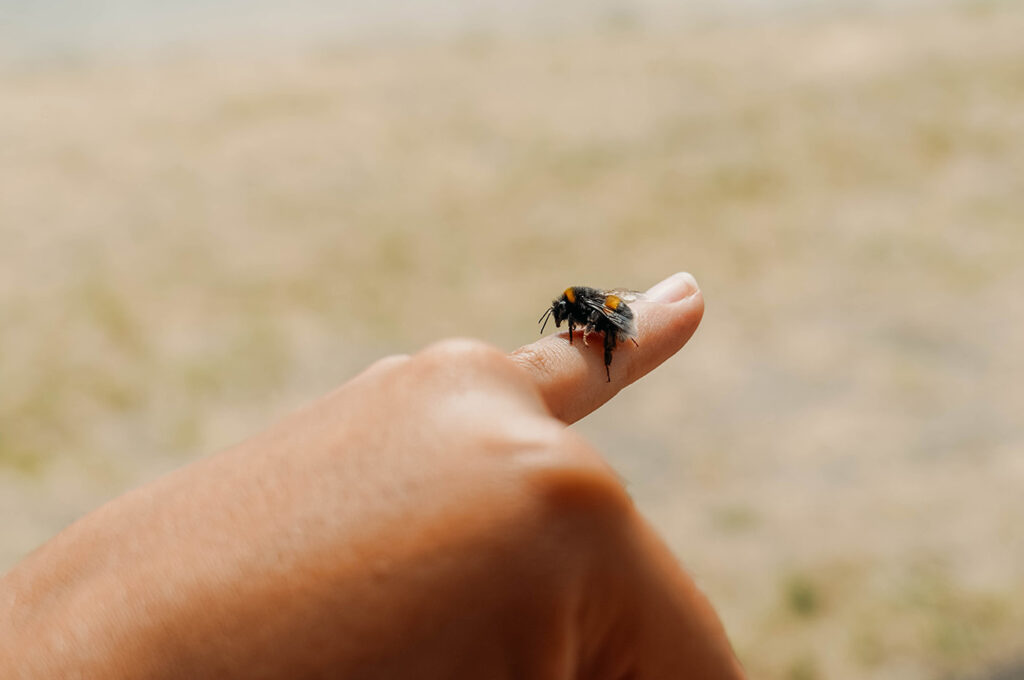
{"x": 192, "y": 245}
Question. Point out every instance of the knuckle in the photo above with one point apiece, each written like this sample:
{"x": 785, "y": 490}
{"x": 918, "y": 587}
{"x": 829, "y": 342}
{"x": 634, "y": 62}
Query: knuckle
{"x": 458, "y": 360}
{"x": 463, "y": 350}
{"x": 467, "y": 365}
{"x": 388, "y": 363}
{"x": 571, "y": 479}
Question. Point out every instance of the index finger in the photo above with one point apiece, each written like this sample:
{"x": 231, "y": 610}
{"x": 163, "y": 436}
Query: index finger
{"x": 571, "y": 377}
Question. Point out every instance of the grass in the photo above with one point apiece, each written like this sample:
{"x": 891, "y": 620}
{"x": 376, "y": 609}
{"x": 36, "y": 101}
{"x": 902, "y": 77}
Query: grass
{"x": 194, "y": 245}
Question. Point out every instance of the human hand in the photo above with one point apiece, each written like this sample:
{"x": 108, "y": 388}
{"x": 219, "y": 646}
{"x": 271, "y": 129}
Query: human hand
{"x": 431, "y": 518}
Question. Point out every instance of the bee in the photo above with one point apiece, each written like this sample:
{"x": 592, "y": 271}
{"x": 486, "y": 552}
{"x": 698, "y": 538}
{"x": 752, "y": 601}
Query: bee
{"x": 595, "y": 311}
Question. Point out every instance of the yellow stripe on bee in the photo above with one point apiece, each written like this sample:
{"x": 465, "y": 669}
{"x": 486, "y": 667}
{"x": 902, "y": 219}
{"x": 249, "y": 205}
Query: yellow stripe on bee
{"x": 570, "y": 295}
{"x": 612, "y": 301}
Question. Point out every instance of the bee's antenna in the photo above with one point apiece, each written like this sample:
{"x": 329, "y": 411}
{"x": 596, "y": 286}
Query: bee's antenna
{"x": 544, "y": 317}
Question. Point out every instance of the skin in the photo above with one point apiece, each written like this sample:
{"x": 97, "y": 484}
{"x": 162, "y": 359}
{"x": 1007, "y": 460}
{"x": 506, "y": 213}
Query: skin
{"x": 431, "y": 518}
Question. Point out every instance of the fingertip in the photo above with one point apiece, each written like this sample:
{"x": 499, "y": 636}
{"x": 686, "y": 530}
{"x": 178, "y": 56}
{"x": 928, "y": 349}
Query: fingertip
{"x": 677, "y": 314}
{"x": 679, "y": 286}
{"x": 687, "y": 313}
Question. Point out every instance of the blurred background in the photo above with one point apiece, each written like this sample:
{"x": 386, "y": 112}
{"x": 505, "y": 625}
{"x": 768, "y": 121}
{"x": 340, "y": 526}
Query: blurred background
{"x": 213, "y": 212}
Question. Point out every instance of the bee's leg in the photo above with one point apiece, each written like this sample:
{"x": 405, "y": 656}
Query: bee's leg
{"x": 609, "y": 346}
{"x": 595, "y": 318}
{"x": 589, "y": 328}
{"x": 635, "y": 342}
{"x": 570, "y": 331}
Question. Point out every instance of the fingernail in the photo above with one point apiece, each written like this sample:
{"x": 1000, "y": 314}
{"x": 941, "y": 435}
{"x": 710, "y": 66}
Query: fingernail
{"x": 673, "y": 289}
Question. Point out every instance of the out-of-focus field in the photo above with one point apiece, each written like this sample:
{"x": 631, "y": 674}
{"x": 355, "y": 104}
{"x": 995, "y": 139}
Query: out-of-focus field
{"x": 191, "y": 246}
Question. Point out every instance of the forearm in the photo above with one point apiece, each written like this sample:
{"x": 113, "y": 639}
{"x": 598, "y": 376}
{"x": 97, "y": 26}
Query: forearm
{"x": 126, "y": 590}
{"x": 78, "y": 606}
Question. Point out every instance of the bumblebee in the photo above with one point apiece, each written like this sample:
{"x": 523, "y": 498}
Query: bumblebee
{"x": 595, "y": 311}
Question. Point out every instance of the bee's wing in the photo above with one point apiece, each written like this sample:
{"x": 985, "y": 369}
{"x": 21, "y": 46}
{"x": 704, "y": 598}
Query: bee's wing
{"x": 625, "y": 294}
{"x": 623, "y": 319}
{"x": 621, "y": 316}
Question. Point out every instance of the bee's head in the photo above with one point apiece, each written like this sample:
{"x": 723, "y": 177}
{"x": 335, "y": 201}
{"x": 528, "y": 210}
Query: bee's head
{"x": 559, "y": 309}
